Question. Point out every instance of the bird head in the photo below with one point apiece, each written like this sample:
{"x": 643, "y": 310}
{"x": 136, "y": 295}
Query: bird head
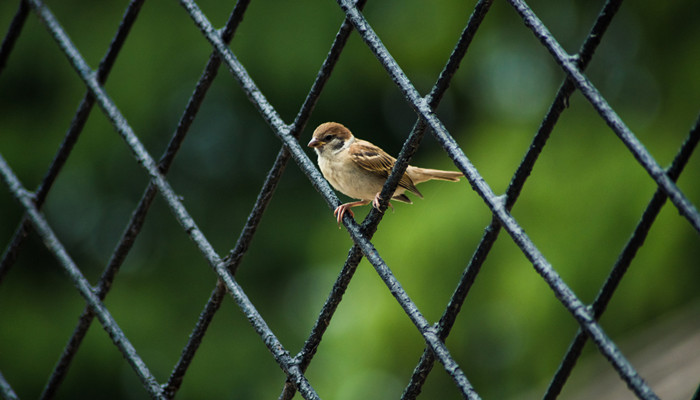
{"x": 330, "y": 135}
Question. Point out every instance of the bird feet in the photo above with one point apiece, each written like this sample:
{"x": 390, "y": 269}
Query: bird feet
{"x": 375, "y": 202}
{"x": 340, "y": 211}
{"x": 346, "y": 208}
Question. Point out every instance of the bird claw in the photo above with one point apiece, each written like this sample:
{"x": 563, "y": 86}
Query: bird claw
{"x": 346, "y": 208}
{"x": 375, "y": 203}
{"x": 340, "y": 211}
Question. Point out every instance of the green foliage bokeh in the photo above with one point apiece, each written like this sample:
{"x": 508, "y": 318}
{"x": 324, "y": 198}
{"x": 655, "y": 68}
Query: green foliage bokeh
{"x": 580, "y": 205}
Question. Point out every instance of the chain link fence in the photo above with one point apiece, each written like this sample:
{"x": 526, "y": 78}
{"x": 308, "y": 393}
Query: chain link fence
{"x": 294, "y": 362}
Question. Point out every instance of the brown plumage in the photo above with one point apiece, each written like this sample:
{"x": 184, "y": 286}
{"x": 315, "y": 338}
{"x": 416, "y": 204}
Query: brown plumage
{"x": 359, "y": 169}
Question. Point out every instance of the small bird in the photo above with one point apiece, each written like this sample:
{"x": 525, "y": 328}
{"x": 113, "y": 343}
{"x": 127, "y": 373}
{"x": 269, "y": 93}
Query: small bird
{"x": 359, "y": 169}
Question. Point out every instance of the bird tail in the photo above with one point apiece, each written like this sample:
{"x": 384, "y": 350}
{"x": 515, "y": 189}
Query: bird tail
{"x": 425, "y": 174}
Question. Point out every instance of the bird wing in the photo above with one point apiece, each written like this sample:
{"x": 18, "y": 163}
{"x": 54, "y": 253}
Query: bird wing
{"x": 377, "y": 161}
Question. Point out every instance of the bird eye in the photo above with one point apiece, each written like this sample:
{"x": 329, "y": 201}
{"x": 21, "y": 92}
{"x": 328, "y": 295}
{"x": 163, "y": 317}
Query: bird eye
{"x": 328, "y": 138}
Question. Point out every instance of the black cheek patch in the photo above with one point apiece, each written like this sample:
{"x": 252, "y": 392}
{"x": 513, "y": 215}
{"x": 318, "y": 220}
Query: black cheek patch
{"x": 337, "y": 145}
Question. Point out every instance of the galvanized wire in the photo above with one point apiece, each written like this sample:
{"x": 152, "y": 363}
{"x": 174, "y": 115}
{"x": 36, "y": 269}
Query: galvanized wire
{"x": 235, "y": 256}
{"x": 6, "y": 390}
{"x": 8, "y": 42}
{"x": 512, "y": 192}
{"x": 623, "y": 262}
{"x": 369, "y": 225}
{"x": 183, "y": 217}
{"x": 47, "y": 235}
{"x": 138, "y": 217}
{"x": 570, "y": 66}
{"x": 372, "y": 255}
{"x": 577, "y": 308}
{"x": 434, "y": 335}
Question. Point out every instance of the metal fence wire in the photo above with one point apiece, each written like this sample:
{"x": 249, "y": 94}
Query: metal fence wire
{"x": 295, "y": 366}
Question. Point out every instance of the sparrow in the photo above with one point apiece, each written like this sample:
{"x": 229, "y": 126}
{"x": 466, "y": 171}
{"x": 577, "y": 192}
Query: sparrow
{"x": 359, "y": 169}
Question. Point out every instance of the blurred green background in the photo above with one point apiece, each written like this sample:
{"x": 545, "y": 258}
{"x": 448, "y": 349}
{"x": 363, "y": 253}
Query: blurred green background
{"x": 580, "y": 205}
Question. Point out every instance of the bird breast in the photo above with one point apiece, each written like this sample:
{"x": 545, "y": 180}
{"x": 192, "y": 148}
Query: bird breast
{"x": 352, "y": 180}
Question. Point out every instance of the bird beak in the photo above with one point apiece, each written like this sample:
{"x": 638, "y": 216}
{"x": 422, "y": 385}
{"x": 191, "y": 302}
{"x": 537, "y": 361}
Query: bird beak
{"x": 315, "y": 143}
